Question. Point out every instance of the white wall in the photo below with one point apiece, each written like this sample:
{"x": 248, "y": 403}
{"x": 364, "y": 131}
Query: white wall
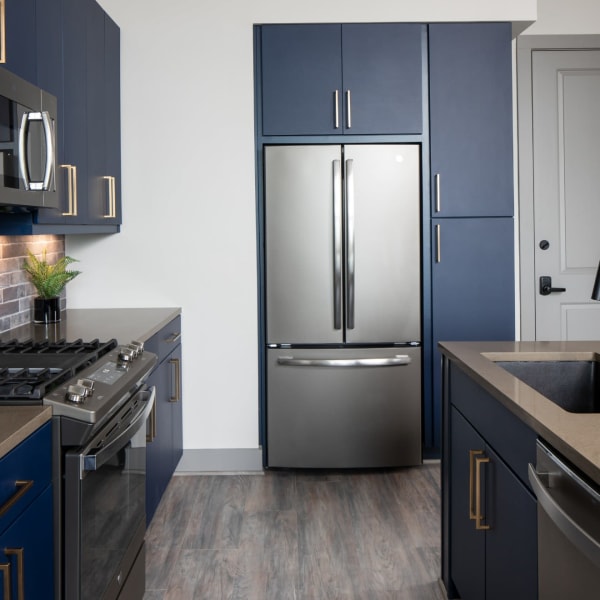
{"x": 188, "y": 237}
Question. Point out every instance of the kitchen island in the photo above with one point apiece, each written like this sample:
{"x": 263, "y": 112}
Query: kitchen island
{"x": 491, "y": 422}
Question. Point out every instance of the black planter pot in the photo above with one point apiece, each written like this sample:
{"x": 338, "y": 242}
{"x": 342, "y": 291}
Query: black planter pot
{"x": 46, "y": 310}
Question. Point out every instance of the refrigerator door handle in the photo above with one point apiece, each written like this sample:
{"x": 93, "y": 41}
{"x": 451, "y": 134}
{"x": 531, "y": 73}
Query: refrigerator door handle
{"x": 337, "y": 244}
{"x": 350, "y": 264}
{"x": 395, "y": 361}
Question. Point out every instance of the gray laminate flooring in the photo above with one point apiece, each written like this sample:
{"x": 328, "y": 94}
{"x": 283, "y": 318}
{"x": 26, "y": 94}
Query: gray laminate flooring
{"x": 305, "y": 535}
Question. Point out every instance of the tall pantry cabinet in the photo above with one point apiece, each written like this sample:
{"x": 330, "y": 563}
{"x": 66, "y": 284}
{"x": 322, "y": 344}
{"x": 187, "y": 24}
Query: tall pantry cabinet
{"x": 446, "y": 87}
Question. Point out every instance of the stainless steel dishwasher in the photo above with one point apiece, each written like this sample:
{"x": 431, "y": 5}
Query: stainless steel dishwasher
{"x": 568, "y": 528}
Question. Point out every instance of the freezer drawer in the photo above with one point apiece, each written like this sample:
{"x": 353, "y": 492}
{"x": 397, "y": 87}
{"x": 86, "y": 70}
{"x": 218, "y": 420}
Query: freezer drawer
{"x": 343, "y": 408}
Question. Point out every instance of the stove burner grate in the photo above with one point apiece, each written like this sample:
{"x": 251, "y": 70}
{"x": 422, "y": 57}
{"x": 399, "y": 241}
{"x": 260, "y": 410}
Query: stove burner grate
{"x": 29, "y": 369}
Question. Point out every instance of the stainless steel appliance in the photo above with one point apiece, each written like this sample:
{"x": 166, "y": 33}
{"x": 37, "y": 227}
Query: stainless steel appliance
{"x": 100, "y": 406}
{"x": 27, "y": 144}
{"x": 343, "y": 305}
{"x": 568, "y": 528}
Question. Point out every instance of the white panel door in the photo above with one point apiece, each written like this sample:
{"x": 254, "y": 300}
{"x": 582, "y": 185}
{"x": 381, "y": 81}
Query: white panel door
{"x": 566, "y": 176}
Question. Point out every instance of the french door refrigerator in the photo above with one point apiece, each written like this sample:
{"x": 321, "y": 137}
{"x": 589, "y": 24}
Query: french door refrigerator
{"x": 343, "y": 305}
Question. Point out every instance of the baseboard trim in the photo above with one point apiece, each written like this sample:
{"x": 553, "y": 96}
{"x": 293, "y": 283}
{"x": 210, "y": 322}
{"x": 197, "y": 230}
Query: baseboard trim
{"x": 222, "y": 460}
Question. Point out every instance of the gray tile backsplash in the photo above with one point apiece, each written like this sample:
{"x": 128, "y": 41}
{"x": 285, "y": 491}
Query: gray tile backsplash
{"x": 16, "y": 291}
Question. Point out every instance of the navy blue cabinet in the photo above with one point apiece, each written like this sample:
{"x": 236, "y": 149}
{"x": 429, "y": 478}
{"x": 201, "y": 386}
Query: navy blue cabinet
{"x": 491, "y": 532}
{"x": 472, "y": 290}
{"x": 333, "y": 79}
{"x": 470, "y": 116}
{"x": 26, "y": 518}
{"x": 20, "y": 38}
{"x": 165, "y": 426}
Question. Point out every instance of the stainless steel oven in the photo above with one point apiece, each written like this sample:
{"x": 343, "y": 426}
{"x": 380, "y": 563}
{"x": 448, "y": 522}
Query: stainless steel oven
{"x": 568, "y": 528}
{"x": 105, "y": 519}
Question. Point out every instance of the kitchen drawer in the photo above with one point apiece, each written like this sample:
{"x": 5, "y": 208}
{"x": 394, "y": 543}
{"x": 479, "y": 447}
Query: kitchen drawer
{"x": 166, "y": 340}
{"x": 503, "y": 431}
{"x": 31, "y": 463}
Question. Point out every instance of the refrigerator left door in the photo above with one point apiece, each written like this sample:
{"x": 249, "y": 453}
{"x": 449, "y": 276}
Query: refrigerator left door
{"x": 303, "y": 220}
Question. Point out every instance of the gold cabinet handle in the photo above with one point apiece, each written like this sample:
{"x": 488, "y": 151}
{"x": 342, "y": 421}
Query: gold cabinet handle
{"x": 478, "y": 516}
{"x": 72, "y": 187}
{"x": 5, "y": 570}
{"x": 177, "y": 364}
{"x": 2, "y": 31}
{"x": 151, "y": 435}
{"x": 22, "y": 488}
{"x": 19, "y": 553}
{"x": 112, "y": 197}
{"x": 472, "y": 455}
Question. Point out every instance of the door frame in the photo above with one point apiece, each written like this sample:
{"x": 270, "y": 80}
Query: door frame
{"x": 526, "y": 44}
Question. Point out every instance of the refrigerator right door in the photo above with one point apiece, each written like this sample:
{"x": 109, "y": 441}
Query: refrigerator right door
{"x": 382, "y": 243}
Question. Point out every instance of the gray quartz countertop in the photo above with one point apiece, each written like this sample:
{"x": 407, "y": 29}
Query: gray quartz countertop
{"x": 575, "y": 436}
{"x": 123, "y": 324}
{"x": 18, "y": 422}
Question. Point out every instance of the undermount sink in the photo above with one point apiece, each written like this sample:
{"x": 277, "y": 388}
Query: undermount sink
{"x": 574, "y": 385}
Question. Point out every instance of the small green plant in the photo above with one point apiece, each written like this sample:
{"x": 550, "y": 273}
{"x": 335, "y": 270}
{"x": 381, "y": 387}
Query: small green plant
{"x": 49, "y": 280}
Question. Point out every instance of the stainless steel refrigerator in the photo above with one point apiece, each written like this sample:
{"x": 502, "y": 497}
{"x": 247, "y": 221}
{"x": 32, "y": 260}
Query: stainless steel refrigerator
{"x": 343, "y": 305}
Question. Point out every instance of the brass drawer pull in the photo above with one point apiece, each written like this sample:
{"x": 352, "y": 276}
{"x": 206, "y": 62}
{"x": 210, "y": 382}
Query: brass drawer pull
{"x": 478, "y": 516}
{"x": 22, "y": 487}
{"x": 472, "y": 455}
{"x": 19, "y": 553}
{"x": 177, "y": 364}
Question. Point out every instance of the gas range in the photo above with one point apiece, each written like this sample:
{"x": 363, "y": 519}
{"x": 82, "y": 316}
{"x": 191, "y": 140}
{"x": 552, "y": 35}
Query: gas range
{"x": 83, "y": 381}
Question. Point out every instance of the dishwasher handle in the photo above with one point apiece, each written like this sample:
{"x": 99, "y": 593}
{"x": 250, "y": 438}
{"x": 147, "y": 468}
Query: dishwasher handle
{"x": 587, "y": 545}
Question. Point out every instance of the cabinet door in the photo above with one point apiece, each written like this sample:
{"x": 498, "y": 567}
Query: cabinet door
{"x": 511, "y": 541}
{"x": 175, "y": 399}
{"x": 301, "y": 74}
{"x": 473, "y": 294}
{"x": 471, "y": 119}
{"x": 382, "y": 73}
{"x": 27, "y": 547}
{"x": 20, "y": 31}
{"x": 467, "y": 544}
{"x": 158, "y": 441}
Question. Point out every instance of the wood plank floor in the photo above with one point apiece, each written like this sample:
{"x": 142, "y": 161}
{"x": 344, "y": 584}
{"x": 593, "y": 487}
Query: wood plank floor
{"x": 302, "y": 535}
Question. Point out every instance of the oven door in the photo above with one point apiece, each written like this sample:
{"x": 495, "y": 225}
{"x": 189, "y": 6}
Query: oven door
{"x": 104, "y": 504}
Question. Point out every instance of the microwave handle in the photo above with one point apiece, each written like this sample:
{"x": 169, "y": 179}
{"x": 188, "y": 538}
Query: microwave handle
{"x": 44, "y": 117}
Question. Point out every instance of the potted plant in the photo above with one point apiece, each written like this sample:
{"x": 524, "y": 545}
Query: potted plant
{"x": 49, "y": 281}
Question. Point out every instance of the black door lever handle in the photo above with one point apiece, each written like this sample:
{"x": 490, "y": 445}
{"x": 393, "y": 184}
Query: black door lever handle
{"x": 546, "y": 286}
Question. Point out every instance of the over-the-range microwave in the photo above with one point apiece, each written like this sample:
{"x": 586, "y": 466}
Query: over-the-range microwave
{"x": 27, "y": 144}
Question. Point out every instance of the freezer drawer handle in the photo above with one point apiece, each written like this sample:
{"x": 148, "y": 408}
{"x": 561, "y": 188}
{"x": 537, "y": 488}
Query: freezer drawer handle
{"x": 396, "y": 361}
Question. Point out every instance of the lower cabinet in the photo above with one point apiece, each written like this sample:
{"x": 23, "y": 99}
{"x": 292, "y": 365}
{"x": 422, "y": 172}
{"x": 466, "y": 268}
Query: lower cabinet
{"x": 164, "y": 445}
{"x": 490, "y": 535}
{"x": 26, "y": 519}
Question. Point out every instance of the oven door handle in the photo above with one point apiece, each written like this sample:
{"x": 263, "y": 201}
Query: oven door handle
{"x": 120, "y": 438}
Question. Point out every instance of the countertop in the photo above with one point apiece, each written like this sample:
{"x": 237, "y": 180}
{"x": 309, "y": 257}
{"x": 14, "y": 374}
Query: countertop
{"x": 18, "y": 422}
{"x": 575, "y": 436}
{"x": 123, "y": 324}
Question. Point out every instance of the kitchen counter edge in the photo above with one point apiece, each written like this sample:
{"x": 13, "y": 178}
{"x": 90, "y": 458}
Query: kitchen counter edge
{"x": 575, "y": 436}
{"x": 18, "y": 422}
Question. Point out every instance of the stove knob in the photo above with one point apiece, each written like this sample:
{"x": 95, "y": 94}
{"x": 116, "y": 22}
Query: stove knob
{"x": 76, "y": 393}
{"x": 126, "y": 356}
{"x": 88, "y": 384}
{"x": 139, "y": 347}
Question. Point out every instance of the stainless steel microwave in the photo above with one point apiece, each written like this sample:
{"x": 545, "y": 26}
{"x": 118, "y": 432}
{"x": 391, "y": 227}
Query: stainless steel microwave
{"x": 27, "y": 144}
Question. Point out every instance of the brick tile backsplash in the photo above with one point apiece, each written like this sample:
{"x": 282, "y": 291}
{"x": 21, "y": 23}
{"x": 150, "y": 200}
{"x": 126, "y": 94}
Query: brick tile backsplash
{"x": 16, "y": 291}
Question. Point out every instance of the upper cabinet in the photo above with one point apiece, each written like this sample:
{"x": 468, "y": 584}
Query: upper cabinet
{"x": 19, "y": 43}
{"x": 470, "y": 113}
{"x": 78, "y": 60}
{"x": 342, "y": 79}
